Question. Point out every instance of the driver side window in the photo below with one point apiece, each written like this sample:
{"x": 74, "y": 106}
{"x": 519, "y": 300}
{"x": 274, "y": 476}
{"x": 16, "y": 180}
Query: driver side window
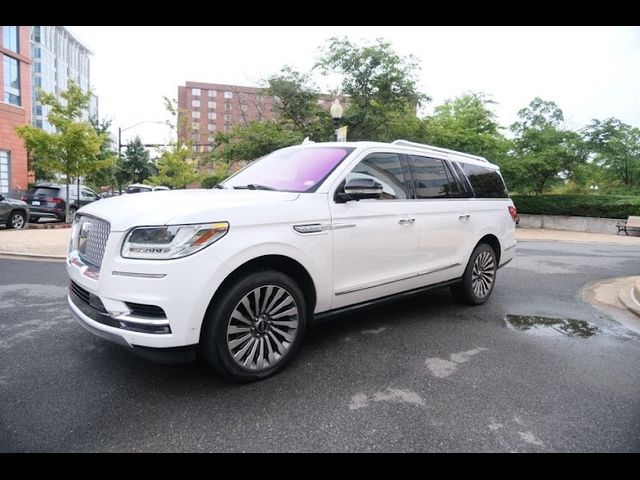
{"x": 386, "y": 169}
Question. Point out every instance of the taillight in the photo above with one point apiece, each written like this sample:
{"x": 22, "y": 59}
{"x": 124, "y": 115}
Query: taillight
{"x": 514, "y": 213}
{"x": 54, "y": 200}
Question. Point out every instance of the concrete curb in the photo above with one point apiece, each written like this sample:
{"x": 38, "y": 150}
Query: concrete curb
{"x": 524, "y": 240}
{"x": 31, "y": 256}
{"x": 630, "y": 297}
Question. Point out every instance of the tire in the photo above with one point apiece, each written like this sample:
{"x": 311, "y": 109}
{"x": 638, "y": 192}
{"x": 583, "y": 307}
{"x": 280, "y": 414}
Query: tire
{"x": 479, "y": 277}
{"x": 245, "y": 343}
{"x": 72, "y": 213}
{"x": 17, "y": 220}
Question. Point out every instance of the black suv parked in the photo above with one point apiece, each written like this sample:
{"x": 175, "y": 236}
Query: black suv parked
{"x": 48, "y": 201}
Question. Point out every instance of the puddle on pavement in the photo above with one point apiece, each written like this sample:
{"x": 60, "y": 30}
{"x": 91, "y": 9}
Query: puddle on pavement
{"x": 565, "y": 326}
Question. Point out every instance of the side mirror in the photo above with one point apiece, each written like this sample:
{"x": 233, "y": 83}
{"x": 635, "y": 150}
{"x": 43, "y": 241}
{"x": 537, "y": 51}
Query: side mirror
{"x": 358, "y": 189}
{"x": 1, "y": 197}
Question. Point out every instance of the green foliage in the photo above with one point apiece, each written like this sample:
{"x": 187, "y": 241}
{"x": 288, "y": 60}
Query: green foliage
{"x": 74, "y": 148}
{"x": 135, "y": 166}
{"x": 467, "y": 124}
{"x": 605, "y": 206}
{"x": 543, "y": 151}
{"x": 251, "y": 141}
{"x": 105, "y": 175}
{"x": 296, "y": 102}
{"x": 176, "y": 167}
{"x": 382, "y": 86}
{"x": 616, "y": 146}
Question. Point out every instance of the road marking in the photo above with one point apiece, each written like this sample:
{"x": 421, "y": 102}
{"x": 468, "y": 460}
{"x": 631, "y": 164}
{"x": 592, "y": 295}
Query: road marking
{"x": 374, "y": 331}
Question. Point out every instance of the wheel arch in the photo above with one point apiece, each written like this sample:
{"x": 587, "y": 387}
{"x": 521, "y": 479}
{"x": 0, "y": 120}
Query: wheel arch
{"x": 493, "y": 242}
{"x": 280, "y": 263}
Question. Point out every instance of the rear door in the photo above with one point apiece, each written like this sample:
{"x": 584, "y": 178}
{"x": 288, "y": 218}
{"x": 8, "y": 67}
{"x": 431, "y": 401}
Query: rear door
{"x": 445, "y": 235}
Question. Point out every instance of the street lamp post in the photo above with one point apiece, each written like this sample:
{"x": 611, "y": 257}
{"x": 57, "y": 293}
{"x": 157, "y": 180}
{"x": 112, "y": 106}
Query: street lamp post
{"x": 336, "y": 113}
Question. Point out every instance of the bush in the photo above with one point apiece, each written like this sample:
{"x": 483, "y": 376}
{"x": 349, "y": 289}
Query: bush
{"x": 605, "y": 206}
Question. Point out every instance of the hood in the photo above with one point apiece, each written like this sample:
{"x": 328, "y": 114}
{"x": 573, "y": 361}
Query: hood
{"x": 178, "y": 206}
{"x": 13, "y": 201}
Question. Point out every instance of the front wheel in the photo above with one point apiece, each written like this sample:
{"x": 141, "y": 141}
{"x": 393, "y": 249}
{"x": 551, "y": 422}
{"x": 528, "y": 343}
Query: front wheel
{"x": 17, "y": 220}
{"x": 255, "y": 327}
{"x": 479, "y": 277}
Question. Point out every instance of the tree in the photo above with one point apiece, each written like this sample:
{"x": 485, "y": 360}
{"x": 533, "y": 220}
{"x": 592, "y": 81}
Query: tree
{"x": 176, "y": 167}
{"x": 136, "y": 165}
{"x": 467, "y": 124}
{"x": 104, "y": 175}
{"x": 616, "y": 148}
{"x": 74, "y": 148}
{"x": 296, "y": 103}
{"x": 254, "y": 140}
{"x": 381, "y": 85}
{"x": 543, "y": 150}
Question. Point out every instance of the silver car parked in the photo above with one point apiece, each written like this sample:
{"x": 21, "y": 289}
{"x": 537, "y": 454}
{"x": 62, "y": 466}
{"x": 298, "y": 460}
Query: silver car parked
{"x": 13, "y": 213}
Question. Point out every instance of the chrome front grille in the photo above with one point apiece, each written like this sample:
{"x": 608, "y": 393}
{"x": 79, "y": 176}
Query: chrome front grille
{"x": 93, "y": 235}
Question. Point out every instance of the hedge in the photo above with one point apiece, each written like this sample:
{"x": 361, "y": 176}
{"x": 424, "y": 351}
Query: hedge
{"x": 605, "y": 206}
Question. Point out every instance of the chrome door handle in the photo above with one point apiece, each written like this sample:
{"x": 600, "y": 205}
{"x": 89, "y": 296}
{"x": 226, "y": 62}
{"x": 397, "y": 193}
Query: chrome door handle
{"x": 466, "y": 216}
{"x": 406, "y": 221}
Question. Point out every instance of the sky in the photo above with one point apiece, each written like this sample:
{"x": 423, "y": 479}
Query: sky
{"x": 590, "y": 72}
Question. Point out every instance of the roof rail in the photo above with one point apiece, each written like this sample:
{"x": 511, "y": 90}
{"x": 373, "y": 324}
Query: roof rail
{"x": 424, "y": 146}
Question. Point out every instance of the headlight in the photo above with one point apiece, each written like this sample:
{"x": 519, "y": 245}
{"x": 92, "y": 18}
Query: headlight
{"x": 171, "y": 241}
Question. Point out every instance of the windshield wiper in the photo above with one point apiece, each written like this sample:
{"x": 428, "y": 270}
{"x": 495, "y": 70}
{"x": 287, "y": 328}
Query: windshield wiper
{"x": 253, "y": 186}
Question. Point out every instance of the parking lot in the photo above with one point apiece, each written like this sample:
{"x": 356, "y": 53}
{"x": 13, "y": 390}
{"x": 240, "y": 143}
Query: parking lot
{"x": 419, "y": 375}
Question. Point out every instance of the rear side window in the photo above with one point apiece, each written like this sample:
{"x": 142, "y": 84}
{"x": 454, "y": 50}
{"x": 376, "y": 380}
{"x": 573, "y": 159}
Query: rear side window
{"x": 486, "y": 182}
{"x": 432, "y": 179}
{"x": 384, "y": 168}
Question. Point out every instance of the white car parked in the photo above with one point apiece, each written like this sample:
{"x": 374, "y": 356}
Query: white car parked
{"x": 237, "y": 272}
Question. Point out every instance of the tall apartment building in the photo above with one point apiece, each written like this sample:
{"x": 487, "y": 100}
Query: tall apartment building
{"x": 58, "y": 56}
{"x": 214, "y": 107}
{"x": 15, "y": 106}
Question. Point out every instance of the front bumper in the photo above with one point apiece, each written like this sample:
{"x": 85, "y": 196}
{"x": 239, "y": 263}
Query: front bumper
{"x": 179, "y": 289}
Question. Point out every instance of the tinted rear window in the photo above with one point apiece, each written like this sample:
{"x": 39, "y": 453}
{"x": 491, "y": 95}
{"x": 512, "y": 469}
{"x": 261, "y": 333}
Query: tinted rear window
{"x": 431, "y": 178}
{"x": 486, "y": 182}
{"x": 46, "y": 191}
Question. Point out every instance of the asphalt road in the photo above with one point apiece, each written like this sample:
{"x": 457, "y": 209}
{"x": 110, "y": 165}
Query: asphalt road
{"x": 420, "y": 375}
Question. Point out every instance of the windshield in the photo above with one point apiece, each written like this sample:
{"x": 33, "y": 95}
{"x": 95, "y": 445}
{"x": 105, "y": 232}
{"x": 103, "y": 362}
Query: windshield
{"x": 291, "y": 169}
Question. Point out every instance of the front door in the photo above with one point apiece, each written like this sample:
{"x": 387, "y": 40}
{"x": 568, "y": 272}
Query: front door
{"x": 375, "y": 241}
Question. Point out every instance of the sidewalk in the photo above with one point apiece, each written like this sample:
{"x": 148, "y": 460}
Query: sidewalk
{"x": 53, "y": 243}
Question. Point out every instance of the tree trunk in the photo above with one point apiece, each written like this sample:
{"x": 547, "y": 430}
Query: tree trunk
{"x": 66, "y": 207}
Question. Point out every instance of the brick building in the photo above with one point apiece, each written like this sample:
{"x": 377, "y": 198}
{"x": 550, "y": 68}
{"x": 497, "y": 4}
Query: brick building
{"x": 215, "y": 107}
{"x": 15, "y": 106}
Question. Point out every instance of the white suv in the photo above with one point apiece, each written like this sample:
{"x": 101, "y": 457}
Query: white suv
{"x": 238, "y": 271}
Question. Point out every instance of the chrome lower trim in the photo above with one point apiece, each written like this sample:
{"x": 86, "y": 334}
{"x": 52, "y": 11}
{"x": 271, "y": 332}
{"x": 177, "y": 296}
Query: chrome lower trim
{"x": 138, "y": 275}
{"x": 395, "y": 280}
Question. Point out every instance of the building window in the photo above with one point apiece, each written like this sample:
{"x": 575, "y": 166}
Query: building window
{"x": 11, "y": 81}
{"x": 196, "y": 137}
{"x": 195, "y": 115}
{"x": 212, "y": 115}
{"x": 195, "y": 92}
{"x": 4, "y": 172}
{"x": 195, "y": 126}
{"x": 213, "y": 94}
{"x": 211, "y": 127}
{"x": 228, "y": 94}
{"x": 212, "y": 104}
{"x": 228, "y": 117}
{"x": 36, "y": 34}
{"x": 10, "y": 38}
{"x": 227, "y": 127}
{"x": 195, "y": 103}
{"x": 228, "y": 107}
{"x": 244, "y": 107}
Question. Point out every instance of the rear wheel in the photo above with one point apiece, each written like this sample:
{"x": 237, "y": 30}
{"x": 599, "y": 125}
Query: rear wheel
{"x": 17, "y": 220}
{"x": 72, "y": 213}
{"x": 479, "y": 277}
{"x": 255, "y": 327}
